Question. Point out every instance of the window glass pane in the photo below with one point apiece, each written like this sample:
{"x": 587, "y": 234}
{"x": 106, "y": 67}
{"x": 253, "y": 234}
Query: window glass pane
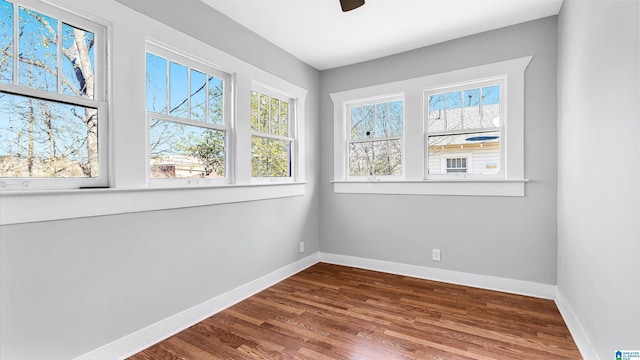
{"x": 356, "y": 123}
{"x": 270, "y": 157}
{"x": 216, "y": 100}
{"x": 184, "y": 151}
{"x": 483, "y": 149}
{"x": 47, "y": 139}
{"x": 395, "y": 118}
{"x": 77, "y": 62}
{"x": 471, "y": 109}
{"x": 254, "y": 111}
{"x": 274, "y": 117}
{"x": 375, "y": 158}
{"x": 6, "y": 42}
{"x": 264, "y": 114}
{"x": 179, "y": 90}
{"x": 382, "y": 120}
{"x": 436, "y": 113}
{"x": 491, "y": 106}
{"x": 284, "y": 118}
{"x": 453, "y": 108}
{"x": 38, "y": 50}
{"x": 198, "y": 95}
{"x": 368, "y": 121}
{"x": 156, "y": 84}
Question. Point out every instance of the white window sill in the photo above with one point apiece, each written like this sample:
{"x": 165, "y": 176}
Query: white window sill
{"x": 468, "y": 187}
{"x": 44, "y": 205}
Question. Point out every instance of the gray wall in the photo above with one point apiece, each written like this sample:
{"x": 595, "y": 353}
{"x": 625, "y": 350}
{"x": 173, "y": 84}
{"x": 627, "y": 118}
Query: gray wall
{"x": 599, "y": 154}
{"x": 71, "y": 286}
{"x": 506, "y": 237}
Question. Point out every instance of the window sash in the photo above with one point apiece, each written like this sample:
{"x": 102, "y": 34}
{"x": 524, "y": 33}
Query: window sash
{"x": 98, "y": 100}
{"x": 350, "y": 142}
{"x": 291, "y": 137}
{"x": 470, "y": 85}
{"x": 191, "y": 65}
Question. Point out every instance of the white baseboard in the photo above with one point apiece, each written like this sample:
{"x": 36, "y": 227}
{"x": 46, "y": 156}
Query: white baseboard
{"x": 141, "y": 339}
{"x": 519, "y": 287}
{"x": 575, "y": 328}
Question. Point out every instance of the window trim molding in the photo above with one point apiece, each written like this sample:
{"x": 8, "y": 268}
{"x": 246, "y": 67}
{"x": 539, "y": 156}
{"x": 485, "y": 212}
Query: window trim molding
{"x": 18, "y": 207}
{"x": 512, "y": 183}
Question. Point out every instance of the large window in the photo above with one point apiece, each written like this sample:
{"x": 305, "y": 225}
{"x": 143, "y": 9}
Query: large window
{"x": 454, "y": 133}
{"x": 52, "y": 98}
{"x": 463, "y": 126}
{"x": 272, "y": 140}
{"x": 187, "y": 120}
{"x": 375, "y": 138}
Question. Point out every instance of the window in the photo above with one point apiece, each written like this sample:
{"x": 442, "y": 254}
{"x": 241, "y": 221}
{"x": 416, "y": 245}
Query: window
{"x": 375, "y": 138}
{"x": 187, "y": 122}
{"x": 272, "y": 138}
{"x": 52, "y": 98}
{"x": 463, "y": 134}
{"x": 464, "y": 119}
{"x": 455, "y": 164}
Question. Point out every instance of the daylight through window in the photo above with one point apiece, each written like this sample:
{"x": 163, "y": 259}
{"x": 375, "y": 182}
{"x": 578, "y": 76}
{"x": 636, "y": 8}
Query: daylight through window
{"x": 375, "y": 138}
{"x": 464, "y": 132}
{"x": 52, "y": 102}
{"x": 271, "y": 140}
{"x": 188, "y": 129}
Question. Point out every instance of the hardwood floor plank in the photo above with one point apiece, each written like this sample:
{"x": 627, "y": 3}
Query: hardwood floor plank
{"x": 336, "y": 312}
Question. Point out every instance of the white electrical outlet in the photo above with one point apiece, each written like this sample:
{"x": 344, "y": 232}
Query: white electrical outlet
{"x": 435, "y": 255}
{"x": 302, "y": 246}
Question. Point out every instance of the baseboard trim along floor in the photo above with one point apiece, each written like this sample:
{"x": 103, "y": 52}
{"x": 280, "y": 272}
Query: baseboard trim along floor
{"x": 143, "y": 338}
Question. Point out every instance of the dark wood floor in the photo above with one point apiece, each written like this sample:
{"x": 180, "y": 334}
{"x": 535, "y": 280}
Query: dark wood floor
{"x": 336, "y": 312}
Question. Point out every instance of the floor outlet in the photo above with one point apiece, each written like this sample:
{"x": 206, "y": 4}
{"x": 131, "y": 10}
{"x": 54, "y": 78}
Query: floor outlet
{"x": 435, "y": 255}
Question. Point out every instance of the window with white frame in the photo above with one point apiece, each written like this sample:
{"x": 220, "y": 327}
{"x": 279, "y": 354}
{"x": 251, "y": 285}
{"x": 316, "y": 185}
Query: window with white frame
{"x": 464, "y": 120}
{"x": 188, "y": 126}
{"x": 272, "y": 134}
{"x": 466, "y": 141}
{"x": 53, "y": 110}
{"x": 374, "y": 137}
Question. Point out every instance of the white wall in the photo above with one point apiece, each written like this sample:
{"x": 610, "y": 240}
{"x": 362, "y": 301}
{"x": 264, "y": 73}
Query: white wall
{"x": 598, "y": 206}
{"x": 72, "y": 285}
{"x": 512, "y": 238}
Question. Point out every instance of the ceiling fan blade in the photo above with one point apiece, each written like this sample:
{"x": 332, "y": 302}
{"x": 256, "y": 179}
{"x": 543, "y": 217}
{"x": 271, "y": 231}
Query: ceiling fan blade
{"x": 348, "y": 5}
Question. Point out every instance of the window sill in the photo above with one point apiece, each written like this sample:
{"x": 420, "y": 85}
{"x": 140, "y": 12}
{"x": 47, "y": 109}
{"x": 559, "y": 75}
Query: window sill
{"x": 18, "y": 207}
{"x": 464, "y": 187}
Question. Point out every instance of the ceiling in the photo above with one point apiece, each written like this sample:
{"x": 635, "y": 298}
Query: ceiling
{"x": 320, "y": 34}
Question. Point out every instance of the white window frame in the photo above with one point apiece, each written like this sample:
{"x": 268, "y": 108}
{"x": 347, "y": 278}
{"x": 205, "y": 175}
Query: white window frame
{"x": 192, "y": 64}
{"x": 347, "y": 141}
{"x": 98, "y": 102}
{"x": 501, "y": 81}
{"x": 511, "y": 182}
{"x": 292, "y": 138}
{"x": 128, "y": 191}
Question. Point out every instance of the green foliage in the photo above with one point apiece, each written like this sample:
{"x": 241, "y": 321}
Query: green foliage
{"x": 209, "y": 148}
{"x": 270, "y": 157}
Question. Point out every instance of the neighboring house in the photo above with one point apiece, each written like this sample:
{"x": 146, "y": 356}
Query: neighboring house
{"x": 473, "y": 152}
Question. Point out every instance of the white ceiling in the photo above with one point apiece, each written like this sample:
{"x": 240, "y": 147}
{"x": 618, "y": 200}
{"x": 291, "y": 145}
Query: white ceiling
{"x": 320, "y": 34}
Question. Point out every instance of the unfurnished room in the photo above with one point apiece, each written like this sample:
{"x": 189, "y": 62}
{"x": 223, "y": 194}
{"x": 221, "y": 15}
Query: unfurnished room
{"x": 305, "y": 179}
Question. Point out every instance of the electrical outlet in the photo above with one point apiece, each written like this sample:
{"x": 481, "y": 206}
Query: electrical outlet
{"x": 435, "y": 255}
{"x": 301, "y": 246}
